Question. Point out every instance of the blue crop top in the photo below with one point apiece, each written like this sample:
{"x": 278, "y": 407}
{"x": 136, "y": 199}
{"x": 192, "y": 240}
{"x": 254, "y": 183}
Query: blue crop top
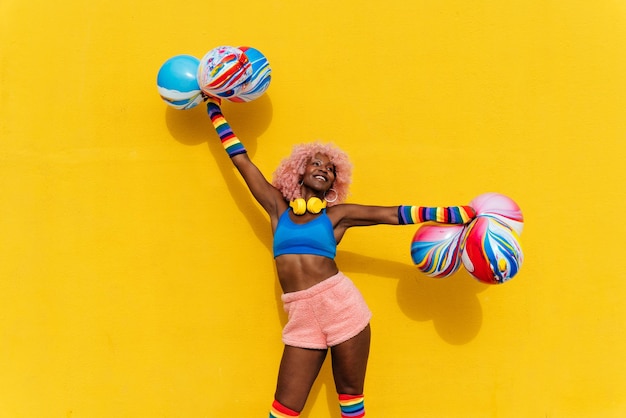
{"x": 314, "y": 237}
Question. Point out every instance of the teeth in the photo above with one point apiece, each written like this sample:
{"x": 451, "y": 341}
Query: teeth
{"x": 320, "y": 178}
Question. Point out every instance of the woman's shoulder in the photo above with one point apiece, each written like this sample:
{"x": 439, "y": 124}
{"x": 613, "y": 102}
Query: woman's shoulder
{"x": 351, "y": 214}
{"x": 338, "y": 212}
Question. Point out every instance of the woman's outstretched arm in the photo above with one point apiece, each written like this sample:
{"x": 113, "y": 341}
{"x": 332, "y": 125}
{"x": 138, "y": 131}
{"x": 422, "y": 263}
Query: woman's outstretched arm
{"x": 345, "y": 216}
{"x": 363, "y": 215}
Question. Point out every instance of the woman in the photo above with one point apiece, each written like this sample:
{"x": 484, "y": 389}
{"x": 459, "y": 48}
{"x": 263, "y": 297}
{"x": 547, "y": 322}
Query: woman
{"x": 324, "y": 308}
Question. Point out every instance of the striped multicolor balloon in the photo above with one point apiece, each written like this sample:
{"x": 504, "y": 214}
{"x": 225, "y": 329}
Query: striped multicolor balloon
{"x": 223, "y": 71}
{"x": 260, "y": 79}
{"x": 490, "y": 250}
{"x": 435, "y": 249}
{"x": 500, "y": 207}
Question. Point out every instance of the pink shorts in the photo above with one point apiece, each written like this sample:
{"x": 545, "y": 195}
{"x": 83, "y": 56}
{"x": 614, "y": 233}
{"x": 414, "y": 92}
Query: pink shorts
{"x": 324, "y": 315}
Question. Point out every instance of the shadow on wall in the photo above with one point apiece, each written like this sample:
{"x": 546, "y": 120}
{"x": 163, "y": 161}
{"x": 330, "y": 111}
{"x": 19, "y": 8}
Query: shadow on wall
{"x": 450, "y": 303}
{"x": 193, "y": 127}
{"x": 248, "y": 120}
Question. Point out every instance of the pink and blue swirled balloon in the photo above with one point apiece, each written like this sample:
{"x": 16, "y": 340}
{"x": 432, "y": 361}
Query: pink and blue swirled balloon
{"x": 435, "y": 249}
{"x": 490, "y": 250}
{"x": 500, "y": 207}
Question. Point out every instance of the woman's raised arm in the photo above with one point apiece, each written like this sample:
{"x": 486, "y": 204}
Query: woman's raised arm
{"x": 267, "y": 195}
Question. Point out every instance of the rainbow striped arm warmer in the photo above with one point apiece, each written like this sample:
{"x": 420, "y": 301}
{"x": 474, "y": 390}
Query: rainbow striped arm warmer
{"x": 447, "y": 215}
{"x": 231, "y": 143}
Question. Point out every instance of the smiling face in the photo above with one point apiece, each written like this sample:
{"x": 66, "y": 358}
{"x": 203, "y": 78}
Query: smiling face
{"x": 294, "y": 171}
{"x": 319, "y": 173}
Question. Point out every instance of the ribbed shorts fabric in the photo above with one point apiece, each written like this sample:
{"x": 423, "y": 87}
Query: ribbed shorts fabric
{"x": 324, "y": 315}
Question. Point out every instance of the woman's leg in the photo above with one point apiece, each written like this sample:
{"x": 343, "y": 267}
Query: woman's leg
{"x": 299, "y": 368}
{"x": 349, "y": 366}
{"x": 350, "y": 363}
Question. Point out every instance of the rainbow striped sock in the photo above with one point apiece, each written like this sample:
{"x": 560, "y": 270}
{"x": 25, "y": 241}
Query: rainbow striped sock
{"x": 281, "y": 411}
{"x": 352, "y": 406}
{"x": 231, "y": 143}
{"x": 448, "y": 214}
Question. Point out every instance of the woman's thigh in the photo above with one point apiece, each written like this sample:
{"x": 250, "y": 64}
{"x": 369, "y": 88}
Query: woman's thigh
{"x": 299, "y": 368}
{"x": 350, "y": 363}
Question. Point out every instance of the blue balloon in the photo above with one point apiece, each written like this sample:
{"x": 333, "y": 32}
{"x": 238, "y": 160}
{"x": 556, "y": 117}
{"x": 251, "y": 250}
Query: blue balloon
{"x": 177, "y": 82}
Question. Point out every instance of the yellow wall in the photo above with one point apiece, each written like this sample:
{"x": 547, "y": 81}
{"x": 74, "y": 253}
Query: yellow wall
{"x": 136, "y": 278}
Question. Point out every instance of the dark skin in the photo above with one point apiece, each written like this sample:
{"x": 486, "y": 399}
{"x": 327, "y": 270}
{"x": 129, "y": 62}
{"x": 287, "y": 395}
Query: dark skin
{"x": 299, "y": 367}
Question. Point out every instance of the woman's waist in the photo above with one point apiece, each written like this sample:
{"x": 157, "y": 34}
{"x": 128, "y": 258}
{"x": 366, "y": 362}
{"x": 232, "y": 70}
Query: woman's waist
{"x": 339, "y": 280}
{"x": 299, "y": 272}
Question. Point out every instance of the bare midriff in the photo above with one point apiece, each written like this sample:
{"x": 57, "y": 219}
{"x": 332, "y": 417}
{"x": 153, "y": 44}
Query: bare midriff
{"x": 300, "y": 271}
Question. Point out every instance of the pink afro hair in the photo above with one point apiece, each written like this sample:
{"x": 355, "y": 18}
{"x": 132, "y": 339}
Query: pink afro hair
{"x": 289, "y": 172}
